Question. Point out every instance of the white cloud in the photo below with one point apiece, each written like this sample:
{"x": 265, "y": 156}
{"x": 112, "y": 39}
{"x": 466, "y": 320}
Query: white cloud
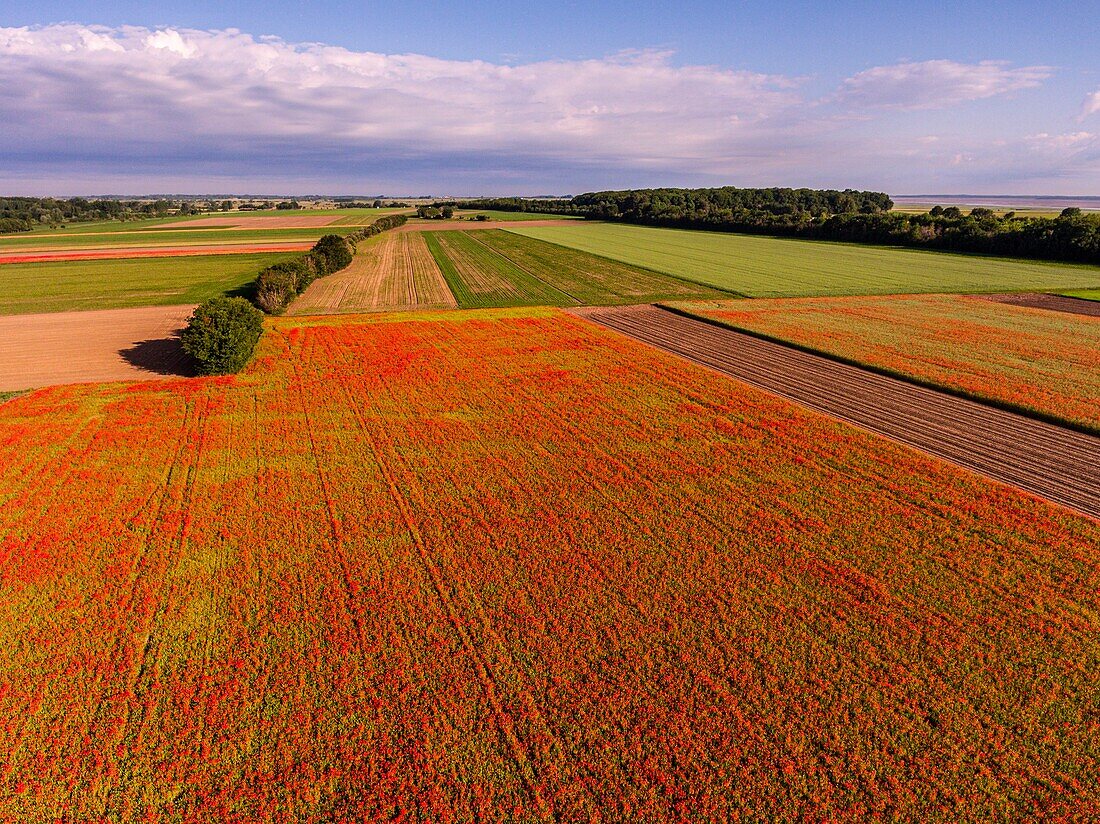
{"x": 172, "y": 83}
{"x": 181, "y": 109}
{"x": 1091, "y": 105}
{"x": 935, "y": 84}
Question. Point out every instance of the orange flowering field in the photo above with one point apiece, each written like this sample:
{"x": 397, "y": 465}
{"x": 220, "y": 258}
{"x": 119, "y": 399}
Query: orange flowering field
{"x": 506, "y": 565}
{"x": 1036, "y": 359}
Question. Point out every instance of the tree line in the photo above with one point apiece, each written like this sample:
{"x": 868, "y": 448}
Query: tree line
{"x": 222, "y": 333}
{"x": 848, "y": 215}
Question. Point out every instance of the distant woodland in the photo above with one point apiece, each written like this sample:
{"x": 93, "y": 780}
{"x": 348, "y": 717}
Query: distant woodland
{"x": 849, "y": 215}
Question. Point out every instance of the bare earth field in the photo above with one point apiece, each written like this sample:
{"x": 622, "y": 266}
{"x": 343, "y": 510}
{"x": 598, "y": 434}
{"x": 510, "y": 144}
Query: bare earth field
{"x": 1055, "y": 303}
{"x": 156, "y": 251}
{"x": 85, "y": 347}
{"x": 1049, "y": 461}
{"x": 392, "y": 272}
{"x": 272, "y": 222}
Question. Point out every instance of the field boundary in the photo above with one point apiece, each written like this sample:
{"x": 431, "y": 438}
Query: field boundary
{"x": 544, "y": 282}
{"x": 1048, "y": 301}
{"x": 1048, "y": 461}
{"x": 450, "y": 273}
{"x": 887, "y": 372}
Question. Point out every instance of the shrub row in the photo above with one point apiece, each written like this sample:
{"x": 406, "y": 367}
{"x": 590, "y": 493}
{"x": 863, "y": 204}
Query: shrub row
{"x": 276, "y": 286}
{"x": 223, "y": 332}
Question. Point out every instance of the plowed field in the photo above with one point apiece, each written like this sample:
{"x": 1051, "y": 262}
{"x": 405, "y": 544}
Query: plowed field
{"x": 1058, "y": 464}
{"x": 512, "y": 566}
{"x": 392, "y": 272}
{"x": 1046, "y": 362}
{"x": 78, "y": 347}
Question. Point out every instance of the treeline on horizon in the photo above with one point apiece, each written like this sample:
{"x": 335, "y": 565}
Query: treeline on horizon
{"x": 849, "y": 215}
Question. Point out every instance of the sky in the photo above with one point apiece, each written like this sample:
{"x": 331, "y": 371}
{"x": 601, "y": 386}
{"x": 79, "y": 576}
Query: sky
{"x": 495, "y": 98}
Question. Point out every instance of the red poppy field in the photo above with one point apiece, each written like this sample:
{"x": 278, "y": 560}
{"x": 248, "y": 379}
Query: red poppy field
{"x": 508, "y": 565}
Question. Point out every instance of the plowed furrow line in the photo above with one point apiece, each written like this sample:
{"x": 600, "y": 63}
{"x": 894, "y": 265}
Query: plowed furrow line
{"x": 1049, "y": 461}
{"x": 798, "y": 380}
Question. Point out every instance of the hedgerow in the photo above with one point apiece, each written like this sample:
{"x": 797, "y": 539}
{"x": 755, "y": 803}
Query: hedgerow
{"x": 276, "y": 286}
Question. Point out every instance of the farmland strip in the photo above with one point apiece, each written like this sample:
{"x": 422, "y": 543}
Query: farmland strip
{"x": 1055, "y": 303}
{"x": 1051, "y": 462}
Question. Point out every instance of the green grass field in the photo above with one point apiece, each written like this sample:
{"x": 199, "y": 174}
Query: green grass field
{"x": 1084, "y": 294}
{"x": 589, "y": 279}
{"x": 758, "y": 266}
{"x": 494, "y": 268}
{"x": 138, "y": 232}
{"x": 167, "y": 237}
{"x": 110, "y": 284}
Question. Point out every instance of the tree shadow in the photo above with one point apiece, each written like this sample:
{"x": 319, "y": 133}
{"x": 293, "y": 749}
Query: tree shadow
{"x": 161, "y": 357}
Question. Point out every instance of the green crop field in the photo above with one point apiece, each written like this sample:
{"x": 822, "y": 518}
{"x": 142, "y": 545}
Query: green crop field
{"x": 758, "y": 266}
{"x": 166, "y": 237}
{"x": 110, "y": 284}
{"x": 481, "y": 278}
{"x": 1084, "y": 294}
{"x": 494, "y": 268}
{"x": 588, "y": 279}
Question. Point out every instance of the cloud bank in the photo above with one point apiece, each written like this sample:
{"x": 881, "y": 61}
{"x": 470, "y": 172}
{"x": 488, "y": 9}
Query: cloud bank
{"x": 145, "y": 107}
{"x": 935, "y": 84}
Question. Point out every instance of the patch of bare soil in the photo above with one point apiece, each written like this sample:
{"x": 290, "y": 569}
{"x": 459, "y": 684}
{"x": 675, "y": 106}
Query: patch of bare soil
{"x": 85, "y": 347}
{"x": 1055, "y": 303}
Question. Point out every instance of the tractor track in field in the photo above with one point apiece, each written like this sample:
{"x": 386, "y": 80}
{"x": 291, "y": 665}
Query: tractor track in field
{"x": 1049, "y": 461}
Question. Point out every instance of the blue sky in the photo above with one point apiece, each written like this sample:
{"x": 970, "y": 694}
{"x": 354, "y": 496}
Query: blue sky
{"x": 497, "y": 98}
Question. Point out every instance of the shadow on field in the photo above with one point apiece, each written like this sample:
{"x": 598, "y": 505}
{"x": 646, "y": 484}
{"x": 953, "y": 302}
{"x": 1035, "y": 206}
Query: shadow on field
{"x": 162, "y": 357}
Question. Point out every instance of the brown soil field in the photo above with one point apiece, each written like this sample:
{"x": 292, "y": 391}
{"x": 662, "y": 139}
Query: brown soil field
{"x": 1055, "y": 303}
{"x": 154, "y": 251}
{"x": 1048, "y": 461}
{"x": 82, "y": 347}
{"x": 272, "y": 222}
{"x": 471, "y": 225}
{"x": 390, "y": 273}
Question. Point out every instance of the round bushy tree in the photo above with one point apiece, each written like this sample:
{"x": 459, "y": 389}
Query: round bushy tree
{"x": 221, "y": 335}
{"x": 335, "y": 251}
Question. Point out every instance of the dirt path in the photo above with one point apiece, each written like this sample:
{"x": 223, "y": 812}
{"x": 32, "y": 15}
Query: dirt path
{"x": 81, "y": 347}
{"x": 1055, "y": 303}
{"x": 1057, "y": 464}
{"x": 154, "y": 251}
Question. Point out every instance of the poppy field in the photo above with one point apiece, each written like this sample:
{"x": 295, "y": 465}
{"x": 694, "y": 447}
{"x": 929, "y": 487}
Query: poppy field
{"x": 507, "y": 565}
{"x": 1046, "y": 362}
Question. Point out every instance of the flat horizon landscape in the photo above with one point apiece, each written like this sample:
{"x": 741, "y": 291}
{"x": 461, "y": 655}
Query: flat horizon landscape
{"x": 725, "y": 486}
